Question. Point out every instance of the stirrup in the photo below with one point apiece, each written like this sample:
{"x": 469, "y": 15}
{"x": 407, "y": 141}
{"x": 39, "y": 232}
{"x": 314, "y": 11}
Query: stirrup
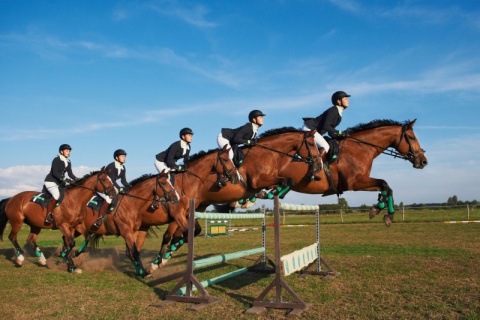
{"x": 98, "y": 223}
{"x": 49, "y": 218}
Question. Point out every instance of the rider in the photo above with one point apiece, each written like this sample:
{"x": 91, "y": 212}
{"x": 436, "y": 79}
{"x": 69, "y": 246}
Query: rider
{"x": 327, "y": 122}
{"x": 115, "y": 170}
{"x": 55, "y": 181}
{"x": 245, "y": 135}
{"x": 167, "y": 160}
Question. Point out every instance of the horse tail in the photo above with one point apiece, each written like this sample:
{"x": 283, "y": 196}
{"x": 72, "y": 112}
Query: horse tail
{"x": 95, "y": 240}
{"x": 3, "y": 217}
{"x": 225, "y": 207}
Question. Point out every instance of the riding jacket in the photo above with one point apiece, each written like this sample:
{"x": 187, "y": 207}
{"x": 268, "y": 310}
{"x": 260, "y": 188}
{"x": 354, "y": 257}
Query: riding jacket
{"x": 60, "y": 165}
{"x": 240, "y": 135}
{"x": 326, "y": 122}
{"x": 177, "y": 150}
{"x": 116, "y": 171}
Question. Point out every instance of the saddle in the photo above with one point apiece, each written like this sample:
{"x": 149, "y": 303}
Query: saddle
{"x": 332, "y": 154}
{"x": 95, "y": 203}
{"x": 238, "y": 156}
{"x": 42, "y": 199}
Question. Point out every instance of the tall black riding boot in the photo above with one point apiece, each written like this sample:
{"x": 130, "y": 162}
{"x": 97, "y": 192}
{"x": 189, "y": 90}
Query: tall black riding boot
{"x": 51, "y": 206}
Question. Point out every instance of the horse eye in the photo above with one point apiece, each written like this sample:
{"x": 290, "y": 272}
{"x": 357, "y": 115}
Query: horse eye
{"x": 412, "y": 138}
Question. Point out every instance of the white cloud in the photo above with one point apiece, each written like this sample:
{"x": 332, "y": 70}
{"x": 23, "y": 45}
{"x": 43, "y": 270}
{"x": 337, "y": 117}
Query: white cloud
{"x": 194, "y": 15}
{"x": 17, "y": 179}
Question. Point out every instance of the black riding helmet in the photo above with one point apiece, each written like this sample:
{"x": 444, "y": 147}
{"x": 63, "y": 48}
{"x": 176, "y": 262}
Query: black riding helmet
{"x": 185, "y": 131}
{"x": 338, "y": 96}
{"x": 119, "y": 152}
{"x": 255, "y": 113}
{"x": 64, "y": 147}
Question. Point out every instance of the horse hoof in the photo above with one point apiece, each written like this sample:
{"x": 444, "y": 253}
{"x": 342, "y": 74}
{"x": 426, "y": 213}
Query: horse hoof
{"x": 388, "y": 221}
{"x": 77, "y": 271}
{"x": 42, "y": 262}
{"x": 373, "y": 212}
{"x": 20, "y": 260}
{"x": 153, "y": 267}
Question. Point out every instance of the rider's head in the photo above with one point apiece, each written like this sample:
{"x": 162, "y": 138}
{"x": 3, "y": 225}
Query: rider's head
{"x": 256, "y": 116}
{"x": 186, "y": 134}
{"x": 340, "y": 98}
{"x": 120, "y": 155}
{"x": 64, "y": 150}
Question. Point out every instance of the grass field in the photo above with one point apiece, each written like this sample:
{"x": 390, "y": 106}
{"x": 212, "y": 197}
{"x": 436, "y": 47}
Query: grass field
{"x": 412, "y": 270}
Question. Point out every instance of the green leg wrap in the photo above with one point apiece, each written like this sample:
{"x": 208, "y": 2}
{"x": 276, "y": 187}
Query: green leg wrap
{"x": 177, "y": 245}
{"x": 285, "y": 190}
{"x": 274, "y": 192}
{"x": 167, "y": 255}
{"x": 381, "y": 203}
{"x": 64, "y": 253}
{"x": 241, "y": 201}
{"x": 157, "y": 259}
{"x": 80, "y": 250}
{"x": 252, "y": 199}
{"x": 390, "y": 205}
{"x": 38, "y": 253}
{"x": 138, "y": 269}
{"x": 19, "y": 252}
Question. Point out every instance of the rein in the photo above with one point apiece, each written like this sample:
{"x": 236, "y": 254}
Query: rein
{"x": 308, "y": 160}
{"x": 410, "y": 156}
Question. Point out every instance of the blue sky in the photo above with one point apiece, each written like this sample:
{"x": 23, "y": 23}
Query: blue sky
{"x": 103, "y": 75}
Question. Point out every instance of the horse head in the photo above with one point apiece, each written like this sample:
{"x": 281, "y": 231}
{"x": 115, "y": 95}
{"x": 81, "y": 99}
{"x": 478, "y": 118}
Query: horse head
{"x": 104, "y": 184}
{"x": 225, "y": 165}
{"x": 163, "y": 183}
{"x": 409, "y": 146}
{"x": 309, "y": 150}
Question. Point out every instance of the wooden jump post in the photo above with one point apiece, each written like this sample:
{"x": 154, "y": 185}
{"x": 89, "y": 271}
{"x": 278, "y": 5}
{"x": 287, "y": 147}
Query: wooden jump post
{"x": 191, "y": 282}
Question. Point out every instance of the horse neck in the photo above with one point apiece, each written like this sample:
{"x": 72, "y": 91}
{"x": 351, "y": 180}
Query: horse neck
{"x": 84, "y": 191}
{"x": 203, "y": 166}
{"x": 282, "y": 144}
{"x": 383, "y": 137}
{"x": 144, "y": 189}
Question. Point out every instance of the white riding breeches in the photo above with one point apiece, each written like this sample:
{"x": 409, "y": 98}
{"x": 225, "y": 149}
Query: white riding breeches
{"x": 222, "y": 142}
{"x": 319, "y": 139}
{"x": 161, "y": 166}
{"x": 53, "y": 188}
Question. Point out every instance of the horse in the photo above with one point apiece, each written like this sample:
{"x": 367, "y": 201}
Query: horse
{"x": 260, "y": 169}
{"x": 20, "y": 209}
{"x": 147, "y": 193}
{"x": 351, "y": 169}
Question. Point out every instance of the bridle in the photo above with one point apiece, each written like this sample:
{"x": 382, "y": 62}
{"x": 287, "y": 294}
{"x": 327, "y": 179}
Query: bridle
{"x": 106, "y": 190}
{"x": 226, "y": 172}
{"x": 166, "y": 194}
{"x": 310, "y": 159}
{"x": 409, "y": 156}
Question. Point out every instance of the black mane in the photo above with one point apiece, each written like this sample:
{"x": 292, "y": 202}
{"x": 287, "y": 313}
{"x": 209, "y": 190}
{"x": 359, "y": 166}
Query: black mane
{"x": 201, "y": 154}
{"x": 375, "y": 124}
{"x": 273, "y": 132}
{"x": 141, "y": 178}
{"x": 83, "y": 179}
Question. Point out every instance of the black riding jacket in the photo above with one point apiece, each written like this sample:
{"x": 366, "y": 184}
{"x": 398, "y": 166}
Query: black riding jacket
{"x": 58, "y": 170}
{"x": 240, "y": 135}
{"x": 326, "y": 122}
{"x": 173, "y": 154}
{"x": 115, "y": 175}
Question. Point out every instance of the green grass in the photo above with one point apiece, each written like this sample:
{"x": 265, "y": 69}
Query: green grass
{"x": 412, "y": 270}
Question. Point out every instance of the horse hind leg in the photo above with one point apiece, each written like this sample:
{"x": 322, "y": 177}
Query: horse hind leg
{"x": 69, "y": 243}
{"x": 32, "y": 241}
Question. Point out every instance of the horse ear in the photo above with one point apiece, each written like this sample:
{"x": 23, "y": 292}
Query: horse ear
{"x": 410, "y": 125}
{"x": 103, "y": 169}
{"x": 312, "y": 132}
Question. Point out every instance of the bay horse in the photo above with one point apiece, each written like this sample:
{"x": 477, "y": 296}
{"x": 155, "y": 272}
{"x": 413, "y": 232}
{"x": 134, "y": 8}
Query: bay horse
{"x": 351, "y": 170}
{"x": 261, "y": 169}
{"x": 147, "y": 193}
{"x": 20, "y": 209}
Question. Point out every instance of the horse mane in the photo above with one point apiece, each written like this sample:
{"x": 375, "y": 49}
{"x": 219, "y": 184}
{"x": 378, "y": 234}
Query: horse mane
{"x": 273, "y": 132}
{"x": 201, "y": 154}
{"x": 82, "y": 179}
{"x": 375, "y": 124}
{"x": 141, "y": 178}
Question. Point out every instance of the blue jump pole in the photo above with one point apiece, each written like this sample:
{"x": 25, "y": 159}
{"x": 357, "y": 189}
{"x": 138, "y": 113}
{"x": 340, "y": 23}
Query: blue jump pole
{"x": 226, "y": 257}
{"x": 209, "y": 282}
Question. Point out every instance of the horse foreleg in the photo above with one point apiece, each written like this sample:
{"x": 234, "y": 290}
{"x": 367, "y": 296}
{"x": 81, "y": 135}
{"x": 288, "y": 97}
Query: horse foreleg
{"x": 69, "y": 244}
{"x": 82, "y": 230}
{"x": 32, "y": 241}
{"x": 134, "y": 254}
{"x": 165, "y": 253}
